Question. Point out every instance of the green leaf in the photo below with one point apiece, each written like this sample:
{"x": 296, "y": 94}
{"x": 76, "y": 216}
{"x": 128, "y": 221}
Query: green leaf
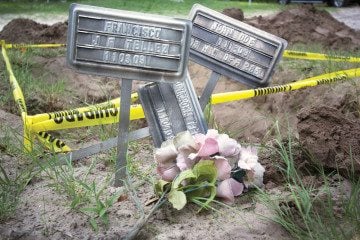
{"x": 102, "y": 212}
{"x": 181, "y": 177}
{"x": 177, "y": 199}
{"x": 160, "y": 186}
{"x": 210, "y": 198}
{"x": 205, "y": 171}
{"x": 93, "y": 224}
{"x": 94, "y": 210}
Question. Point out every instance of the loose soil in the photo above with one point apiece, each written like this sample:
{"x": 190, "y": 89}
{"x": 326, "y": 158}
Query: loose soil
{"x": 323, "y": 121}
{"x": 309, "y": 25}
{"x": 28, "y": 31}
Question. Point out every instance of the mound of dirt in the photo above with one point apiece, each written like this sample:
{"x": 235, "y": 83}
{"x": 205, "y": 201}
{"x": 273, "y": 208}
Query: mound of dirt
{"x": 22, "y": 30}
{"x": 236, "y": 13}
{"x": 306, "y": 24}
{"x": 329, "y": 137}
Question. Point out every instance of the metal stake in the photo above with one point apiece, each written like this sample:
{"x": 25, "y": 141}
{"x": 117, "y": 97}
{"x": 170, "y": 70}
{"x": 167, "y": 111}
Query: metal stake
{"x": 209, "y": 88}
{"x": 124, "y": 119}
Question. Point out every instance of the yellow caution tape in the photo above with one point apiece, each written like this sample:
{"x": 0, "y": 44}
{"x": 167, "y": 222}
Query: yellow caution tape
{"x": 52, "y": 143}
{"x": 319, "y": 56}
{"x": 109, "y": 116}
{"x": 48, "y": 45}
{"x": 86, "y": 119}
{"x": 310, "y": 82}
{"x": 114, "y": 103}
{"x": 108, "y": 112}
{"x": 17, "y": 93}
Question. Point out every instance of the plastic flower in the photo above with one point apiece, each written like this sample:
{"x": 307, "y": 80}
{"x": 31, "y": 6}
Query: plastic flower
{"x": 255, "y": 176}
{"x": 223, "y": 168}
{"x": 207, "y": 144}
{"x": 248, "y": 158}
{"x": 215, "y": 143}
{"x": 229, "y": 189}
{"x": 228, "y": 147}
{"x": 185, "y": 145}
{"x": 166, "y": 159}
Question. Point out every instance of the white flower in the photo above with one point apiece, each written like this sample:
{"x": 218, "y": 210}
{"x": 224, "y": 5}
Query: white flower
{"x": 248, "y": 158}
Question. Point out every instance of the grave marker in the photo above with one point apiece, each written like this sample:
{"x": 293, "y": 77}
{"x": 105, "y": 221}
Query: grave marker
{"x": 233, "y": 49}
{"x": 171, "y": 109}
{"x": 129, "y": 46}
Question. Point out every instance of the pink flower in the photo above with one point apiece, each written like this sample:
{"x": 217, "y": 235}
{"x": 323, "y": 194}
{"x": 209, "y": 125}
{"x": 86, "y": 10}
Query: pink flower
{"x": 223, "y": 167}
{"x": 229, "y": 189}
{"x": 207, "y": 144}
{"x": 213, "y": 143}
{"x": 168, "y": 173}
{"x": 228, "y": 147}
{"x": 255, "y": 176}
{"x": 166, "y": 159}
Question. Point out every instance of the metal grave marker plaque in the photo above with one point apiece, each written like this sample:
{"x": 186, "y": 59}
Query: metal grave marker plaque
{"x": 170, "y": 109}
{"x": 127, "y": 44}
{"x": 233, "y": 48}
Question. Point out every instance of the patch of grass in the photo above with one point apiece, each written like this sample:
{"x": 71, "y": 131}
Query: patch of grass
{"x": 167, "y": 7}
{"x": 85, "y": 195}
{"x": 12, "y": 184}
{"x": 40, "y": 95}
{"x": 308, "y": 68}
{"x": 308, "y": 212}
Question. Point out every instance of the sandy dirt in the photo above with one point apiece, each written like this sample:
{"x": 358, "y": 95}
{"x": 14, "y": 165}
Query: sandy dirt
{"x": 44, "y": 213}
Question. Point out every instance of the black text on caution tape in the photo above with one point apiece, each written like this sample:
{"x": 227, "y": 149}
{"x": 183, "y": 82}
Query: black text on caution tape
{"x": 269, "y": 90}
{"x": 52, "y": 139}
{"x": 89, "y": 115}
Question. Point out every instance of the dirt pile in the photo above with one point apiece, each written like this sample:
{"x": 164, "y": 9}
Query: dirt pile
{"x": 28, "y": 31}
{"x": 236, "y": 13}
{"x": 331, "y": 139}
{"x": 306, "y": 24}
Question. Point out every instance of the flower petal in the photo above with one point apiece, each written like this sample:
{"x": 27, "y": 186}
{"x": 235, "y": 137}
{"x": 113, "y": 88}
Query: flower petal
{"x": 166, "y": 154}
{"x": 209, "y": 147}
{"x": 223, "y": 168}
{"x": 184, "y": 138}
{"x": 248, "y": 158}
{"x": 255, "y": 177}
{"x": 229, "y": 188}
{"x": 168, "y": 174}
{"x": 236, "y": 187}
{"x": 228, "y": 146}
{"x": 183, "y": 161}
{"x": 212, "y": 133}
{"x": 243, "y": 165}
{"x": 199, "y": 138}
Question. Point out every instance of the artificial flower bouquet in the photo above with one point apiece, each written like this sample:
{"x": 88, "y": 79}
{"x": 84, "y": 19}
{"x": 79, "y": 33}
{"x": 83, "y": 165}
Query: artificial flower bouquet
{"x": 201, "y": 167}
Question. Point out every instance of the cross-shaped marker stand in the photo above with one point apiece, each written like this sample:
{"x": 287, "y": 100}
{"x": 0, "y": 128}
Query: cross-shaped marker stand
{"x": 132, "y": 45}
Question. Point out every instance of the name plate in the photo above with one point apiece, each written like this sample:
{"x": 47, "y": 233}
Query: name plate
{"x": 127, "y": 44}
{"x": 171, "y": 109}
{"x": 233, "y": 48}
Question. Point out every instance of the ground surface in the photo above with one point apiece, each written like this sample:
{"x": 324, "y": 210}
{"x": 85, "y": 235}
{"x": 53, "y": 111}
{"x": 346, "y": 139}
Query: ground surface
{"x": 326, "y": 115}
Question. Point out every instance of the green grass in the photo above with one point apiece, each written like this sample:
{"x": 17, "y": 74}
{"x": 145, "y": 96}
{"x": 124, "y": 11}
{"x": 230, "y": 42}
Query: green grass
{"x": 167, "y": 7}
{"x": 10, "y": 190}
{"x": 85, "y": 194}
{"x": 13, "y": 180}
{"x": 32, "y": 78}
{"x": 309, "y": 212}
{"x": 310, "y": 68}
